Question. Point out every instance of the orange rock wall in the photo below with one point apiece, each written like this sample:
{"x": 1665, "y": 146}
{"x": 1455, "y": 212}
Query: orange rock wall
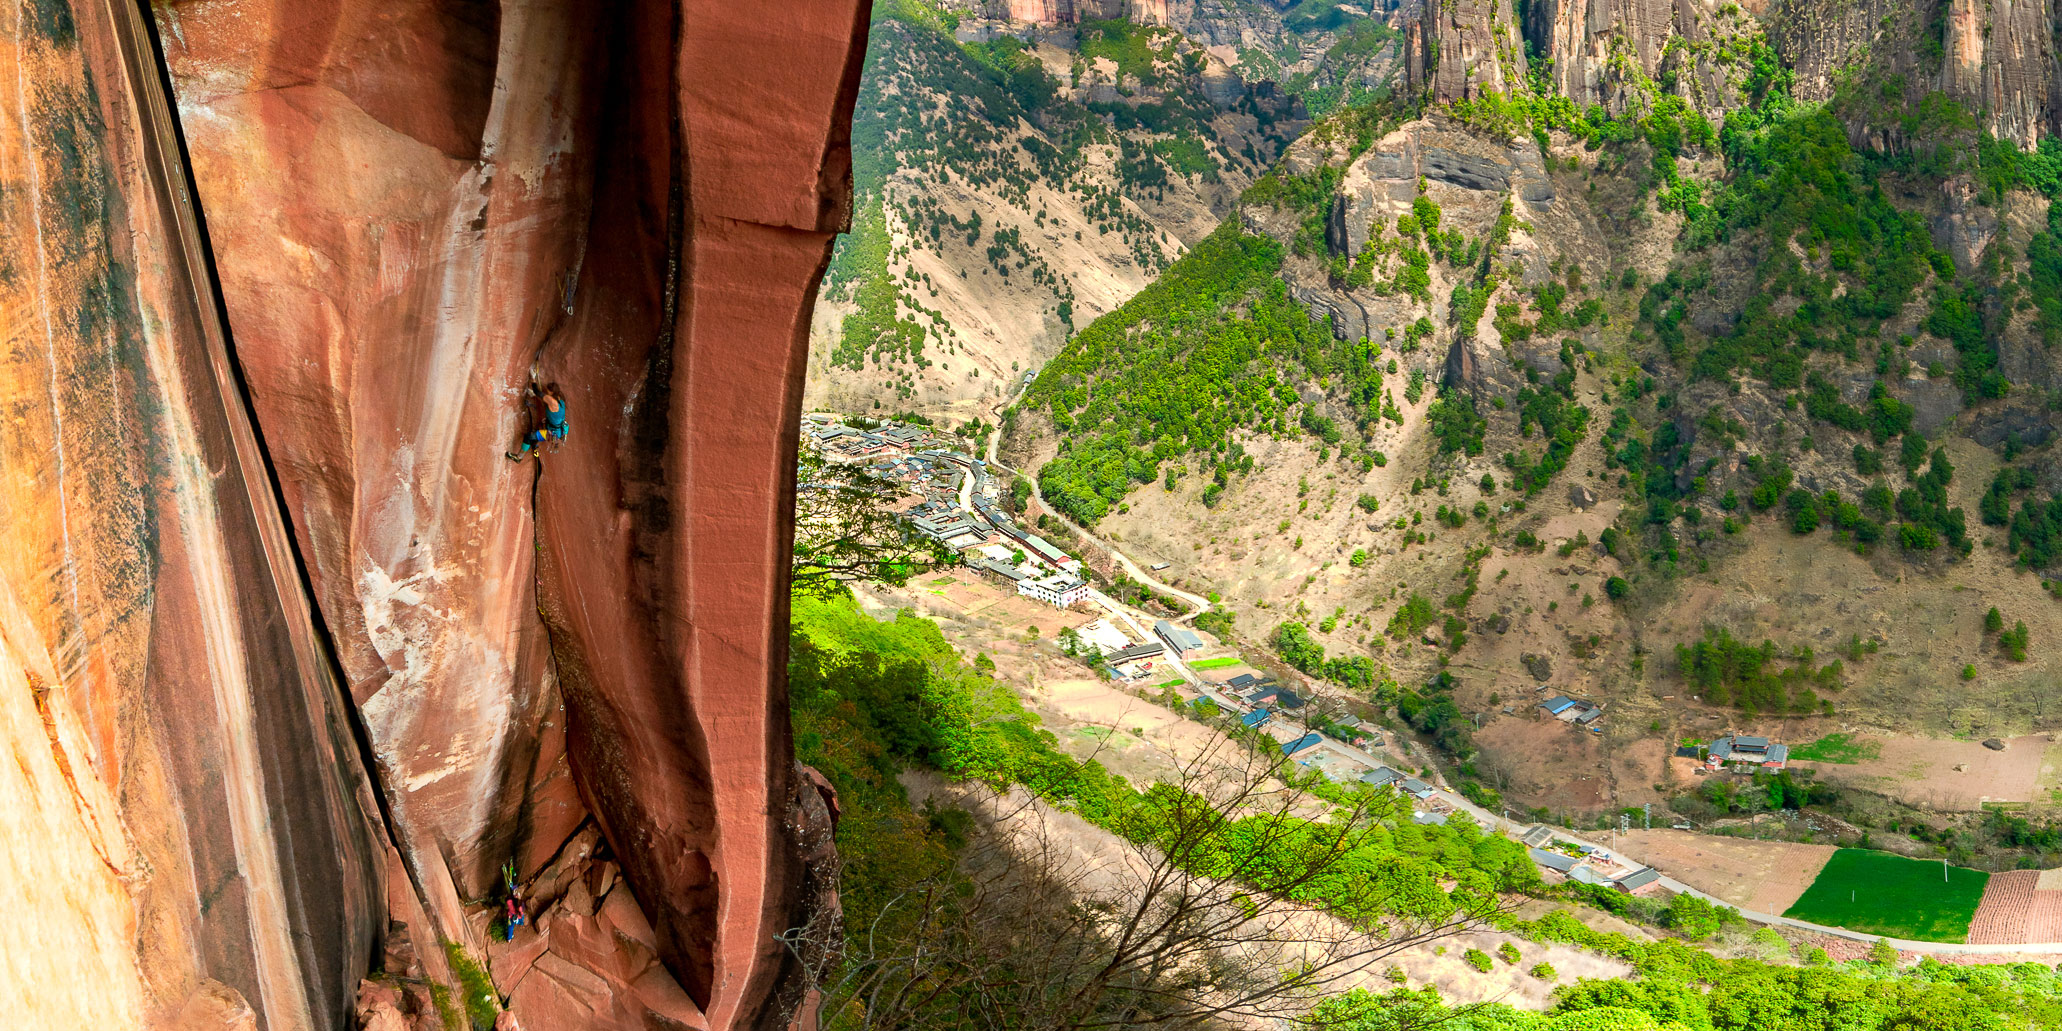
{"x": 185, "y": 830}
{"x": 417, "y": 206}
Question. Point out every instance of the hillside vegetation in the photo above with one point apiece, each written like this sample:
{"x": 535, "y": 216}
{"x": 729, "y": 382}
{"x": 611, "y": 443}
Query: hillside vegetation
{"x": 1532, "y": 412}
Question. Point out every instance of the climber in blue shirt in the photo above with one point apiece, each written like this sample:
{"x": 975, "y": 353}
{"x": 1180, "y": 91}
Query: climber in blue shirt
{"x": 554, "y": 429}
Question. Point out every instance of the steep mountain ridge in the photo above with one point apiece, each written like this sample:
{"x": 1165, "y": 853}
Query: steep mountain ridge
{"x": 1010, "y": 190}
{"x": 1019, "y": 175}
{"x": 1567, "y": 370}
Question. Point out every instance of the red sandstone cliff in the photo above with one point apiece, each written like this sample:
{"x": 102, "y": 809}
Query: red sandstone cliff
{"x": 186, "y": 836}
{"x": 411, "y": 209}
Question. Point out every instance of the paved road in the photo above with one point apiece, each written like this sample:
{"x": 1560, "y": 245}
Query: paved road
{"x": 1484, "y": 816}
{"x": 1494, "y": 820}
{"x": 1197, "y": 605}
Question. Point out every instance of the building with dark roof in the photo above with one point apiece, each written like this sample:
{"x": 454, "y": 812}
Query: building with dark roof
{"x": 1134, "y": 653}
{"x": 1643, "y": 877}
{"x": 1381, "y": 775}
{"x": 1255, "y": 718}
{"x": 1301, "y": 743}
{"x": 1747, "y": 751}
{"x": 1554, "y": 861}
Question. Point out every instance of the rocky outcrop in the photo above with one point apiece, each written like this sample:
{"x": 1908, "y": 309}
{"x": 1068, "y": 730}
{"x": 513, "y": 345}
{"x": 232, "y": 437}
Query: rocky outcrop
{"x": 2000, "y": 61}
{"x": 1617, "y": 53}
{"x": 1461, "y": 49}
{"x": 1997, "y": 60}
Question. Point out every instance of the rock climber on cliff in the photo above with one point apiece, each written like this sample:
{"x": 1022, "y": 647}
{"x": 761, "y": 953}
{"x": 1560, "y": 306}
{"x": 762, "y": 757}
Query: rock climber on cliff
{"x": 554, "y": 428}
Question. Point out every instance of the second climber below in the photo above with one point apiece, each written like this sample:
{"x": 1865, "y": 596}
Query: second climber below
{"x": 554, "y": 428}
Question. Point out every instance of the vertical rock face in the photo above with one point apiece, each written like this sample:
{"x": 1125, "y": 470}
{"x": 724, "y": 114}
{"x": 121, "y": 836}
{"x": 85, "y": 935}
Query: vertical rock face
{"x": 413, "y": 206}
{"x": 1460, "y": 49}
{"x": 395, "y": 232}
{"x": 417, "y": 206}
{"x": 662, "y": 530}
{"x": 1603, "y": 50}
{"x": 2000, "y": 60}
{"x": 184, "y": 827}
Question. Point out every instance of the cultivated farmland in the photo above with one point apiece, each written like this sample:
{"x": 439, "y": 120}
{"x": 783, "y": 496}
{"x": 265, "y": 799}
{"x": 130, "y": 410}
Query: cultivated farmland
{"x": 2019, "y": 907}
{"x": 1886, "y": 894}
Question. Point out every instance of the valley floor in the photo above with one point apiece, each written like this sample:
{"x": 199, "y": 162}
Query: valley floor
{"x": 1144, "y": 741}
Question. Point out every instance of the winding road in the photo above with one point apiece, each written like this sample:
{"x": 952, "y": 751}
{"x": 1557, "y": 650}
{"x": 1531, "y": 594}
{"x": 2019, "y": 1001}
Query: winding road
{"x": 1481, "y": 815}
{"x": 1197, "y": 605}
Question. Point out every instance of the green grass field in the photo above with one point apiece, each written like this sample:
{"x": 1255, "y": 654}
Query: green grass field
{"x": 1835, "y": 748}
{"x": 1216, "y": 663}
{"x": 1880, "y": 893}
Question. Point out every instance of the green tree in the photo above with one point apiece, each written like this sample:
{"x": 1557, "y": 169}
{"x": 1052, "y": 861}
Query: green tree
{"x": 845, "y": 532}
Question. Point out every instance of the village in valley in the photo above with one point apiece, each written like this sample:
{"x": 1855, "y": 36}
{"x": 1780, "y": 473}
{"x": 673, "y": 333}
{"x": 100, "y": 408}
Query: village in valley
{"x": 953, "y": 498}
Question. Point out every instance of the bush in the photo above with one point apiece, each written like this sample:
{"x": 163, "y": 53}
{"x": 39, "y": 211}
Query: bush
{"x": 1917, "y": 538}
{"x": 1545, "y": 972}
{"x": 1694, "y": 918}
{"x": 2014, "y": 642}
{"x": 1369, "y": 503}
{"x": 1478, "y": 959}
{"x": 1616, "y": 588}
{"x": 1509, "y": 952}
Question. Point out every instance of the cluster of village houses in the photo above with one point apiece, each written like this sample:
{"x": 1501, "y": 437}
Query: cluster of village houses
{"x": 1586, "y": 864}
{"x": 965, "y": 516}
{"x": 957, "y": 507}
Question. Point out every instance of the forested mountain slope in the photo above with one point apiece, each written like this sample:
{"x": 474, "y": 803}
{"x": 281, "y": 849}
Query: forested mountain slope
{"x": 1016, "y": 180}
{"x": 1510, "y": 385}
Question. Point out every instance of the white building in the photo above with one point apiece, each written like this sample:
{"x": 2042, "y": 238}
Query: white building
{"x": 1060, "y": 589}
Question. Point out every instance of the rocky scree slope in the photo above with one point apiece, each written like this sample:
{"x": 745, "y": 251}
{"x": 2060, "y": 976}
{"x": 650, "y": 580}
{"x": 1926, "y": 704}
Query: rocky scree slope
{"x": 298, "y": 660}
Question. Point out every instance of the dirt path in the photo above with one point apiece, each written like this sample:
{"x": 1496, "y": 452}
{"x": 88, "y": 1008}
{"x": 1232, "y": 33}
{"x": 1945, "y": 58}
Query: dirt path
{"x": 1957, "y": 776}
{"x": 1763, "y": 876}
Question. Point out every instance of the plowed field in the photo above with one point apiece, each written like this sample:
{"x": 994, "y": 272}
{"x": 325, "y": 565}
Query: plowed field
{"x": 2020, "y": 907}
